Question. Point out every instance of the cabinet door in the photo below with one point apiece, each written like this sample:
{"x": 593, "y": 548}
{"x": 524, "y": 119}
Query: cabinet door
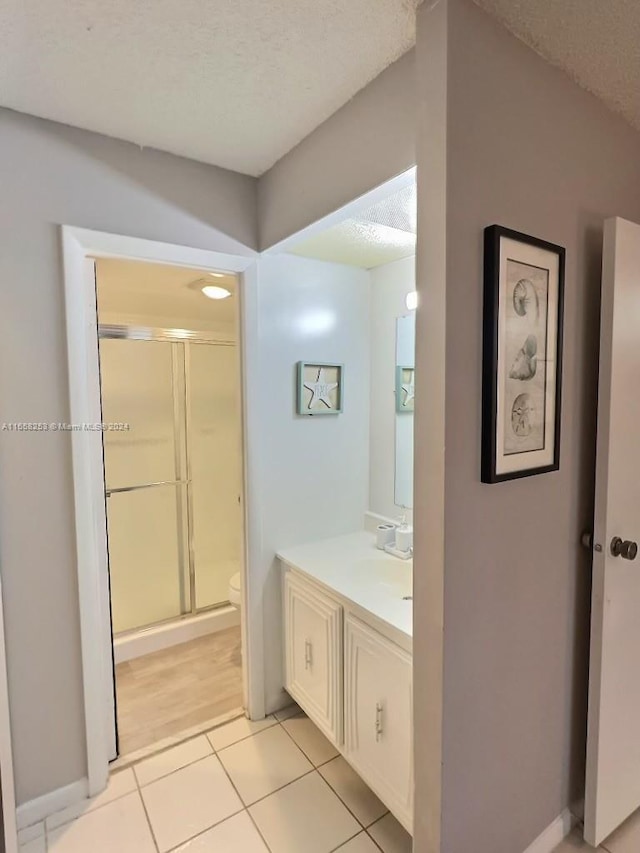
{"x": 313, "y": 654}
{"x": 378, "y": 716}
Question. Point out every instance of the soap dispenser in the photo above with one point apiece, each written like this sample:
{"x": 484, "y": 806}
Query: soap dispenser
{"x": 404, "y": 536}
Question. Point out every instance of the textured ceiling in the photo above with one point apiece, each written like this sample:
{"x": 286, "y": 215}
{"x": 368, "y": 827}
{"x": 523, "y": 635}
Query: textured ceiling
{"x": 597, "y": 42}
{"x": 236, "y": 83}
{"x": 376, "y": 235}
{"x": 158, "y": 295}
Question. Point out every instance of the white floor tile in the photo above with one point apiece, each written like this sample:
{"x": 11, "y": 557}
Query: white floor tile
{"x": 35, "y": 845}
{"x": 390, "y": 835}
{"x": 263, "y": 763}
{"x": 237, "y": 730}
{"x": 121, "y": 783}
{"x": 305, "y": 816}
{"x": 119, "y": 826}
{"x": 235, "y": 835}
{"x": 310, "y": 739}
{"x": 627, "y": 838}
{"x": 290, "y": 711}
{"x": 172, "y": 759}
{"x": 360, "y": 844}
{"x": 353, "y": 792}
{"x": 189, "y": 801}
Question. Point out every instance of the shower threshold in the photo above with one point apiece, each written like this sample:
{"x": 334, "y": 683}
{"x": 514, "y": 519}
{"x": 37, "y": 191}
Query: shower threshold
{"x": 137, "y": 643}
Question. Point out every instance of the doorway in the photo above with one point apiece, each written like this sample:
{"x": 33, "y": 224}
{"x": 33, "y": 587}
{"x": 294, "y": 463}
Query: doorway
{"x": 172, "y": 444}
{"x": 82, "y": 248}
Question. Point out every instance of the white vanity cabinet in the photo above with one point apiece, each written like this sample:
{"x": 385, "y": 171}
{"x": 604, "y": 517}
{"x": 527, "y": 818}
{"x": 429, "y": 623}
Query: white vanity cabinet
{"x": 313, "y": 653}
{"x": 378, "y": 715}
{"x": 356, "y": 685}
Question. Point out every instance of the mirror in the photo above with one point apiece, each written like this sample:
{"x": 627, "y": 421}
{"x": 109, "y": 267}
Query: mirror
{"x": 405, "y": 398}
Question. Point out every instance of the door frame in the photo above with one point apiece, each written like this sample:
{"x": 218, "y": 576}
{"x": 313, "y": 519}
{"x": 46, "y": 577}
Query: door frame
{"x": 80, "y": 247}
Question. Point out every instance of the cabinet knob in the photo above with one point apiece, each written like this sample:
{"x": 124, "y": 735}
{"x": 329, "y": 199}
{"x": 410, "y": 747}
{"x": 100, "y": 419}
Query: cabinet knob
{"x": 308, "y": 654}
{"x": 624, "y": 548}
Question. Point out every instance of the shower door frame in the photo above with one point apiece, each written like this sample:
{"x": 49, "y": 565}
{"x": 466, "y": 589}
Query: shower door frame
{"x": 180, "y": 379}
{"x": 81, "y": 247}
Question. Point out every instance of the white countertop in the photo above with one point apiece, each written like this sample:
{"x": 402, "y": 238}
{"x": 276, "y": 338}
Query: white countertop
{"x": 356, "y": 570}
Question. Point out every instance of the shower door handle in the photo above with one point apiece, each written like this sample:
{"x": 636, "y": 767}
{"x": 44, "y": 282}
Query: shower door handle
{"x": 123, "y": 489}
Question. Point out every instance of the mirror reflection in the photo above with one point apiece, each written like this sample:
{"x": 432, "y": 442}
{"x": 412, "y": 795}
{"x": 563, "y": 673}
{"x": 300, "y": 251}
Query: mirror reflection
{"x": 405, "y": 399}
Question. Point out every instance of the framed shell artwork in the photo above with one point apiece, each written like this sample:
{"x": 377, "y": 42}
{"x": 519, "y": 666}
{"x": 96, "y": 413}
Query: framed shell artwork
{"x": 522, "y": 355}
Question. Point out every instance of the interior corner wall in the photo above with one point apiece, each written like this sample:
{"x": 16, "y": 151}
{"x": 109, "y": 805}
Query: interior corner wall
{"x": 314, "y": 470}
{"x": 390, "y": 284}
{"x": 370, "y": 140}
{"x": 528, "y": 149}
{"x": 51, "y": 175}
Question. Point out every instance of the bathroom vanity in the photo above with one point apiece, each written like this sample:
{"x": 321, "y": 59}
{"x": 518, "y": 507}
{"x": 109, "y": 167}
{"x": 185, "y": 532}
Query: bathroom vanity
{"x": 348, "y": 656}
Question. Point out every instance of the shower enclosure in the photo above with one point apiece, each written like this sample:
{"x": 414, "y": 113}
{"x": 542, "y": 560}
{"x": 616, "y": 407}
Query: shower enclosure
{"x": 173, "y": 472}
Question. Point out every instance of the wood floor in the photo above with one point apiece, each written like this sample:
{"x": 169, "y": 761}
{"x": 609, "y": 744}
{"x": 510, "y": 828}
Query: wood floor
{"x": 162, "y": 694}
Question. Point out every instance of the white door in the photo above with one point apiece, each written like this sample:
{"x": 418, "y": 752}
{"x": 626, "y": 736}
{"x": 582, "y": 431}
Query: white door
{"x": 378, "y": 716}
{"x": 313, "y": 653}
{"x": 613, "y": 739}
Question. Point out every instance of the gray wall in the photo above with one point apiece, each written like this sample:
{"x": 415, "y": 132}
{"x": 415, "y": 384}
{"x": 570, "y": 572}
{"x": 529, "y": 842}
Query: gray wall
{"x": 50, "y": 174}
{"x": 365, "y": 143}
{"x": 528, "y": 149}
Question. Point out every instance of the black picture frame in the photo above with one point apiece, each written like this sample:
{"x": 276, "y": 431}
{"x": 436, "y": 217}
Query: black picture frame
{"x": 531, "y": 428}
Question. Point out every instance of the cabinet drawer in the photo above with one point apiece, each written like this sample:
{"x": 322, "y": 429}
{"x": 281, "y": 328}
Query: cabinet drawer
{"x": 379, "y": 716}
{"x": 313, "y": 654}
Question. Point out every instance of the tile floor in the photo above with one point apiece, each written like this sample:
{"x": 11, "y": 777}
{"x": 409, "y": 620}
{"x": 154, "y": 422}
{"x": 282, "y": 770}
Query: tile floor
{"x": 276, "y": 786}
{"x": 623, "y": 840}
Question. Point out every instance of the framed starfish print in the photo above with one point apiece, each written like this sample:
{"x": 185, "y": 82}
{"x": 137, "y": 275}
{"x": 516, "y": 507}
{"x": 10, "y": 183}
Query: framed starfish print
{"x": 405, "y": 389}
{"x": 319, "y": 388}
{"x": 522, "y": 358}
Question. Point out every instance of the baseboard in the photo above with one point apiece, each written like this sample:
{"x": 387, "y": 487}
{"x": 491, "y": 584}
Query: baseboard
{"x": 554, "y": 834}
{"x": 172, "y": 633}
{"x": 36, "y": 810}
{"x": 577, "y": 810}
{"x": 277, "y": 701}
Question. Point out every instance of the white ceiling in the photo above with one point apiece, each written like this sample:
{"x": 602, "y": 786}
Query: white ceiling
{"x": 236, "y": 83}
{"x": 597, "y": 42}
{"x": 157, "y": 295}
{"x": 373, "y": 235}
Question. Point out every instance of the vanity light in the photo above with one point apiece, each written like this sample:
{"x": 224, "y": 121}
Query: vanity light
{"x": 411, "y": 300}
{"x": 215, "y": 292}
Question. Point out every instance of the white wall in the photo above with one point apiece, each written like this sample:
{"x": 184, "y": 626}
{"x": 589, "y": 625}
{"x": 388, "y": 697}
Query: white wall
{"x": 51, "y": 174}
{"x": 390, "y": 284}
{"x": 314, "y": 470}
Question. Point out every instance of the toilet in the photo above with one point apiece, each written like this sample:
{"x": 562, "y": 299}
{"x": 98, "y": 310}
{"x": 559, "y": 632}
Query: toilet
{"x": 234, "y": 590}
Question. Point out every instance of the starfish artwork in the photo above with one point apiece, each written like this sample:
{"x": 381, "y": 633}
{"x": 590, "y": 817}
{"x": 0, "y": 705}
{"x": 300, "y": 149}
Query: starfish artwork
{"x": 320, "y": 390}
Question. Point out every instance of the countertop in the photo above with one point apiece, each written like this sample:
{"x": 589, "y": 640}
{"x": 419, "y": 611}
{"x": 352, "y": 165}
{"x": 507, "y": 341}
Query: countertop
{"x": 352, "y": 567}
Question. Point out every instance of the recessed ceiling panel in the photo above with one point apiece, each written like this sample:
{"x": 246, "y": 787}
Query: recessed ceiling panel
{"x": 381, "y": 233}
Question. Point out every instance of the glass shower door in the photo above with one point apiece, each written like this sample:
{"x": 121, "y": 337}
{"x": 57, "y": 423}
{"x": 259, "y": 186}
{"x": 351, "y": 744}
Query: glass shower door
{"x": 145, "y": 481}
{"x": 215, "y": 467}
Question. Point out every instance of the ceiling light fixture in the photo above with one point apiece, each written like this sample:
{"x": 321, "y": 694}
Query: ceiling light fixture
{"x": 217, "y": 274}
{"x": 214, "y": 292}
{"x": 411, "y": 300}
